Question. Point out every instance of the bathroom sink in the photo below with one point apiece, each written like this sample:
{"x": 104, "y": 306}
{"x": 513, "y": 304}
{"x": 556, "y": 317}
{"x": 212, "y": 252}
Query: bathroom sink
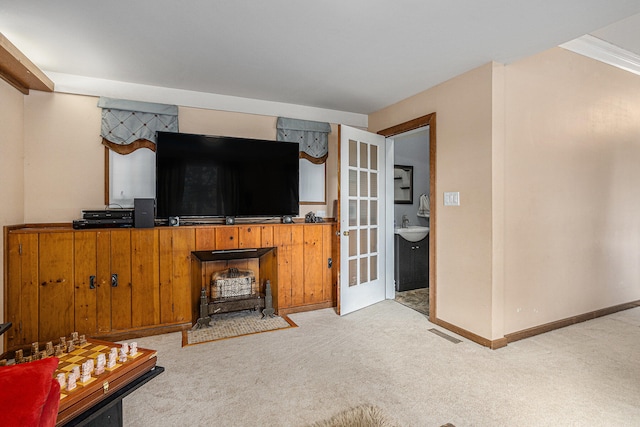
{"x": 413, "y": 233}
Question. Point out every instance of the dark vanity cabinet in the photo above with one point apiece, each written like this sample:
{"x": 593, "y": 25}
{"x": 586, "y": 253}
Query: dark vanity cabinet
{"x": 411, "y": 263}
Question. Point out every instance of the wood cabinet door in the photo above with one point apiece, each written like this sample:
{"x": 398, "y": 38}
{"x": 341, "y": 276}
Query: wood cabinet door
{"x": 92, "y": 281}
{"x": 331, "y": 259}
{"x": 85, "y": 248}
{"x": 120, "y": 279}
{"x": 55, "y": 275}
{"x": 282, "y": 240}
{"x": 22, "y": 290}
{"x": 145, "y": 282}
{"x": 314, "y": 264}
{"x": 298, "y": 278}
{"x": 175, "y": 246}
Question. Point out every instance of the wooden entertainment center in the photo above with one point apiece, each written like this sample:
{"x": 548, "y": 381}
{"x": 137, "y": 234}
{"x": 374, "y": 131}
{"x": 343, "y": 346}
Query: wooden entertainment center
{"x": 120, "y": 283}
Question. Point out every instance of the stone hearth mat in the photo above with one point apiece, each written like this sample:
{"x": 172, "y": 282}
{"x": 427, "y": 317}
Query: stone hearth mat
{"x": 236, "y": 324}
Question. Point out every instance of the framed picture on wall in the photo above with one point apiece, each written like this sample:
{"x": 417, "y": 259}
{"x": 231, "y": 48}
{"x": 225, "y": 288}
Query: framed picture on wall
{"x": 403, "y": 184}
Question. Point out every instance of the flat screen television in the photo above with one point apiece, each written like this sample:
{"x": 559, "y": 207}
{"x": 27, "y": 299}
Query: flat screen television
{"x": 200, "y": 176}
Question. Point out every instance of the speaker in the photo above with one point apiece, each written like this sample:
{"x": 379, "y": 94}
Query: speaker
{"x": 143, "y": 213}
{"x": 174, "y": 221}
{"x": 287, "y": 219}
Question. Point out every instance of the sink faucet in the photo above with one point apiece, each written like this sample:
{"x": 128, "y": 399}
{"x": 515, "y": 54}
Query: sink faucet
{"x": 405, "y": 221}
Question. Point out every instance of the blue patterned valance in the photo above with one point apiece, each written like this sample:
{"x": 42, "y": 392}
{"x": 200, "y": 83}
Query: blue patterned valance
{"x": 313, "y": 137}
{"x": 125, "y": 122}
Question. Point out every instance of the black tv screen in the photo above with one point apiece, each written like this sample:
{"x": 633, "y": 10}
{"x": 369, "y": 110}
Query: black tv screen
{"x": 204, "y": 176}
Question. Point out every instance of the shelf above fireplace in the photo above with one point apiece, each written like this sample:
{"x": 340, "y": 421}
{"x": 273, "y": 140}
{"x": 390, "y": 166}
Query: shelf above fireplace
{"x": 224, "y": 255}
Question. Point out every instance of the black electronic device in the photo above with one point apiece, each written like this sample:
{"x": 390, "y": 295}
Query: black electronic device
{"x": 107, "y": 214}
{"x": 143, "y": 213}
{"x": 81, "y": 224}
{"x": 199, "y": 176}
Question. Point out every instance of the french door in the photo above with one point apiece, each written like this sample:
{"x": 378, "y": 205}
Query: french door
{"x": 362, "y": 219}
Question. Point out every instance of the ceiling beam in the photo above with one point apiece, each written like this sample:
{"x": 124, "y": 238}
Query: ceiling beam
{"x": 19, "y": 71}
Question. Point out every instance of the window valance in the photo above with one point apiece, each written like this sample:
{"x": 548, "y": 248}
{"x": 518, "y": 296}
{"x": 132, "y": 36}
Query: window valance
{"x": 129, "y": 125}
{"x": 313, "y": 137}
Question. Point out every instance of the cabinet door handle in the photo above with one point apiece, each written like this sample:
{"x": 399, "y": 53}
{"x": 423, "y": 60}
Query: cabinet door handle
{"x": 92, "y": 282}
{"x": 114, "y": 280}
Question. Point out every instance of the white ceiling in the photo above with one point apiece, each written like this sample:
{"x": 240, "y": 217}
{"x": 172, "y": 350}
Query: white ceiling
{"x": 347, "y": 55}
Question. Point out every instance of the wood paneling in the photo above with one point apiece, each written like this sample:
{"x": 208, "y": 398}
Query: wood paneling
{"x": 175, "y": 246}
{"x": 282, "y": 240}
{"x": 249, "y": 237}
{"x": 22, "y": 289}
{"x": 145, "y": 288}
{"x": 84, "y": 277}
{"x": 226, "y": 238}
{"x": 205, "y": 238}
{"x": 103, "y": 281}
{"x": 165, "y": 273}
{"x": 313, "y": 265}
{"x": 298, "y": 278}
{"x": 156, "y": 284}
{"x": 55, "y": 275}
{"x": 121, "y": 268}
{"x": 266, "y": 232}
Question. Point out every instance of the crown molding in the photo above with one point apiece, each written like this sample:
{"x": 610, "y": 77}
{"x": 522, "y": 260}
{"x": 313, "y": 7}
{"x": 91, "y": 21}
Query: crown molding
{"x": 80, "y": 85}
{"x": 600, "y": 50}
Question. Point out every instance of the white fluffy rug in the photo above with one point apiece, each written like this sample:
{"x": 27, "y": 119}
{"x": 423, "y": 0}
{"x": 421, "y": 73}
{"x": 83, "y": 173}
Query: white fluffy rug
{"x": 360, "y": 416}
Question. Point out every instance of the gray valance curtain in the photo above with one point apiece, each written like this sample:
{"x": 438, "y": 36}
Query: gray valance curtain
{"x": 313, "y": 137}
{"x": 129, "y": 125}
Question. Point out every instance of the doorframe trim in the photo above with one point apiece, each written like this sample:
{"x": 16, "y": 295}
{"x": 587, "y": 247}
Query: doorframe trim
{"x": 419, "y": 122}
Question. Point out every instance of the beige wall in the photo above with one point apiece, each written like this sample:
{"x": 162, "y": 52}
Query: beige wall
{"x": 64, "y": 166}
{"x": 64, "y": 161}
{"x": 463, "y": 109}
{"x": 572, "y": 202}
{"x": 545, "y": 154}
{"x": 11, "y": 166}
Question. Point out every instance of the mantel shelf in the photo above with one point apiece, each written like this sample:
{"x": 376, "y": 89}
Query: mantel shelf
{"x": 225, "y": 255}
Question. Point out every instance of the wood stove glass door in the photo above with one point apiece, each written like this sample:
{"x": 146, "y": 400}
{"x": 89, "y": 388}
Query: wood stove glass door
{"x": 362, "y": 219}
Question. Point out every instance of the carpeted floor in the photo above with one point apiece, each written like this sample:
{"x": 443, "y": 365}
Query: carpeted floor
{"x": 416, "y": 299}
{"x": 235, "y": 324}
{"x": 385, "y": 355}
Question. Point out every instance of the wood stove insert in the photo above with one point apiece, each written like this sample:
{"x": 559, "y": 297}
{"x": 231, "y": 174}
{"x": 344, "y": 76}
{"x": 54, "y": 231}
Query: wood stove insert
{"x": 231, "y": 280}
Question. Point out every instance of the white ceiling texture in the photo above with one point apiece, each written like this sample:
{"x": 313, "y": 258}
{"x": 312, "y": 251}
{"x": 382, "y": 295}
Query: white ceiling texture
{"x": 352, "y": 56}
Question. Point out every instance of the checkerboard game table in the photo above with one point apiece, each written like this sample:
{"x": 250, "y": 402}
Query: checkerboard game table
{"x": 98, "y": 401}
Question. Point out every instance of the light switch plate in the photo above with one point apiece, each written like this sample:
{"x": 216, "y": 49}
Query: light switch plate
{"x": 452, "y": 198}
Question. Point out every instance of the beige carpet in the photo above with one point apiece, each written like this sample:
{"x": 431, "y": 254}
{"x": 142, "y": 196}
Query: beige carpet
{"x": 235, "y": 324}
{"x": 385, "y": 355}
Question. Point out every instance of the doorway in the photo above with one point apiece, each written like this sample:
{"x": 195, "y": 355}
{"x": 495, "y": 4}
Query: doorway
{"x": 411, "y": 219}
{"x": 423, "y": 123}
